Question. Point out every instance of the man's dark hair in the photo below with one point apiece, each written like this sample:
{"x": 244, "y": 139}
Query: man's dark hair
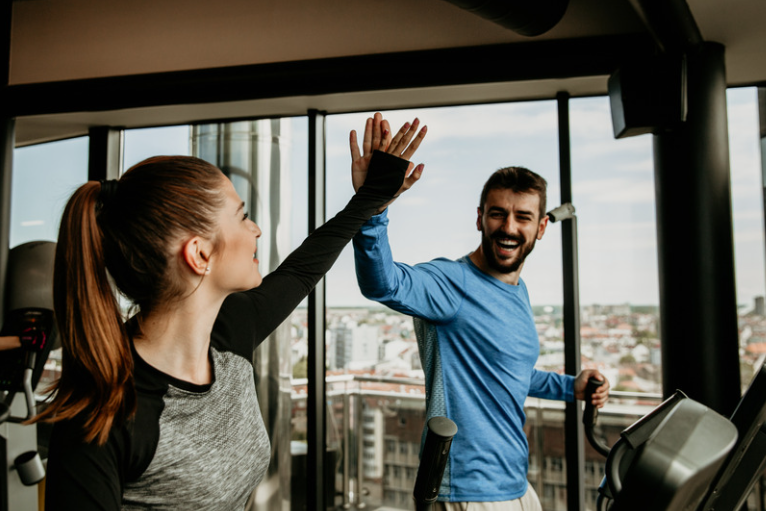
{"x": 518, "y": 180}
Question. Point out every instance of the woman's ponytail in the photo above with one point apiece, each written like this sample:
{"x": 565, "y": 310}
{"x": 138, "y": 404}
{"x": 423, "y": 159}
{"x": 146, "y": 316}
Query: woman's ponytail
{"x": 96, "y": 381}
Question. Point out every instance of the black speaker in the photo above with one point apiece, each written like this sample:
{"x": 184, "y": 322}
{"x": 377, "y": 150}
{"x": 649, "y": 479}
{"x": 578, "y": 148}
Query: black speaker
{"x": 648, "y": 95}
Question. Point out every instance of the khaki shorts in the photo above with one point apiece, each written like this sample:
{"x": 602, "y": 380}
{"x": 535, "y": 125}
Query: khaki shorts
{"x": 529, "y": 502}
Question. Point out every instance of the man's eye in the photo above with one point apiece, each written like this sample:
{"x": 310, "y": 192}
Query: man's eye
{"x": 245, "y": 216}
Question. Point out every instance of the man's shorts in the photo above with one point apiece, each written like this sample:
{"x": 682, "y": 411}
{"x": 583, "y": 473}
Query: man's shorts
{"x": 528, "y": 502}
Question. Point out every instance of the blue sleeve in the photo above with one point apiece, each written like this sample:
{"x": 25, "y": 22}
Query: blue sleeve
{"x": 549, "y": 385}
{"x": 432, "y": 291}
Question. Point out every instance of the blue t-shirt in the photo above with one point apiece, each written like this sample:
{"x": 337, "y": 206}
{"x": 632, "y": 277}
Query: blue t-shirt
{"x": 478, "y": 345}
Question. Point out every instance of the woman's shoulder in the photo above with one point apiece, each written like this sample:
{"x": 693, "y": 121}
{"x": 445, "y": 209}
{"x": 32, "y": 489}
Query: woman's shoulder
{"x": 128, "y": 449}
{"x": 236, "y": 327}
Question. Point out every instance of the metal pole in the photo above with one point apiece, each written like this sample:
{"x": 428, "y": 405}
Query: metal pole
{"x": 698, "y": 309}
{"x": 346, "y": 448}
{"x": 104, "y": 153}
{"x": 317, "y": 394}
{"x": 359, "y": 428}
{"x": 6, "y": 171}
{"x": 762, "y": 130}
{"x": 573, "y": 428}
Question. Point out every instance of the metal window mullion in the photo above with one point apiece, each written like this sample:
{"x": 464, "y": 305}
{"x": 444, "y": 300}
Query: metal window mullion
{"x": 762, "y": 135}
{"x": 573, "y": 430}
{"x": 316, "y": 406}
{"x": 104, "y": 153}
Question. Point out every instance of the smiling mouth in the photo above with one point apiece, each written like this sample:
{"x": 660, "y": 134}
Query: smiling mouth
{"x": 507, "y": 243}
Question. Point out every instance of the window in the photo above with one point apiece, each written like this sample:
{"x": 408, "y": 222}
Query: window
{"x": 437, "y": 218}
{"x": 613, "y": 193}
{"x": 44, "y": 177}
{"x": 747, "y": 218}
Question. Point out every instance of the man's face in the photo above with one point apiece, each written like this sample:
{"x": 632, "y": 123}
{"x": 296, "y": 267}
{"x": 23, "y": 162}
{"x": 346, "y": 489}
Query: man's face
{"x": 510, "y": 225}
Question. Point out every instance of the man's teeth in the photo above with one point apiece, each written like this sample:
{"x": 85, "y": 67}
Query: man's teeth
{"x": 509, "y": 244}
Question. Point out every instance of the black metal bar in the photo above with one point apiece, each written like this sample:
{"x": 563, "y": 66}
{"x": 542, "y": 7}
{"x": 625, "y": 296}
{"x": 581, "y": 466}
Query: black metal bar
{"x": 104, "y": 153}
{"x": 762, "y": 132}
{"x": 698, "y": 307}
{"x": 454, "y": 66}
{"x": 7, "y": 137}
{"x": 5, "y": 474}
{"x": 316, "y": 407}
{"x": 573, "y": 428}
{"x": 7, "y": 143}
{"x": 6, "y": 15}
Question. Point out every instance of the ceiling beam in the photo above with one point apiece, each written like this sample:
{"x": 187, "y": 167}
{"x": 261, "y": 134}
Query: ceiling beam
{"x": 471, "y": 65}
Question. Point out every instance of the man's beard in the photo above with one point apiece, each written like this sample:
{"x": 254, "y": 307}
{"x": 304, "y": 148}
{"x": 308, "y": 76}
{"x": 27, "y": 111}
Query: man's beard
{"x": 505, "y": 265}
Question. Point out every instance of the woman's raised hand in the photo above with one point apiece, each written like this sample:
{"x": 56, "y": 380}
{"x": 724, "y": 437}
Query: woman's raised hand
{"x": 377, "y": 136}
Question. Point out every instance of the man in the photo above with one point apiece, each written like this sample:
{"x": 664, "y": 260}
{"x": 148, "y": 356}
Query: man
{"x": 477, "y": 339}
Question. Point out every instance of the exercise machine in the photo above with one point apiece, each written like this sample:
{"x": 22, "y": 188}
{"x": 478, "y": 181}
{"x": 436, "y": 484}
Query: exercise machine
{"x": 28, "y": 334}
{"x": 433, "y": 461}
{"x": 684, "y": 455}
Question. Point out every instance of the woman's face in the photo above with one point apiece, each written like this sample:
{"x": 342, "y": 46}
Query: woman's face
{"x": 234, "y": 266}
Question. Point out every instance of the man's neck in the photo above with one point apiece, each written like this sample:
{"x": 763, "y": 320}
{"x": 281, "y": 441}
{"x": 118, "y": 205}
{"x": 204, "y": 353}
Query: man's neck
{"x": 478, "y": 258}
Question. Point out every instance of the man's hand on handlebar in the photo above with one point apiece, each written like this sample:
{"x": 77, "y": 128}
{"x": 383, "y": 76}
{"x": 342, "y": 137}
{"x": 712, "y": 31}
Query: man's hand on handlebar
{"x": 600, "y": 396}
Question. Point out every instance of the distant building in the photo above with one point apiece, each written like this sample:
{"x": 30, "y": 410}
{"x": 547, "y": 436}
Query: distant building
{"x": 759, "y": 306}
{"x": 355, "y": 346}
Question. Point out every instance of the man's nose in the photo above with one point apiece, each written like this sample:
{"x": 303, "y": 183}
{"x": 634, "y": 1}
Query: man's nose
{"x": 510, "y": 226}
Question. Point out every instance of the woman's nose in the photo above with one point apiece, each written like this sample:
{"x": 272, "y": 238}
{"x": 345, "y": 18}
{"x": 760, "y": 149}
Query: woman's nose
{"x": 256, "y": 230}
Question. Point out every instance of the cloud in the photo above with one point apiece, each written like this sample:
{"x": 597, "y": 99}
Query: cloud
{"x": 465, "y": 122}
{"x": 614, "y": 190}
{"x": 753, "y": 214}
{"x": 413, "y": 200}
{"x": 749, "y": 236}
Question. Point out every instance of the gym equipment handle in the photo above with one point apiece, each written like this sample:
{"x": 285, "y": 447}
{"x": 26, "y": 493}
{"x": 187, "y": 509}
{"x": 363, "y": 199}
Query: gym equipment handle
{"x": 590, "y": 417}
{"x": 433, "y": 461}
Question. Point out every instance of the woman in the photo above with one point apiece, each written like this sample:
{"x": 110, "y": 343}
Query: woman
{"x": 161, "y": 411}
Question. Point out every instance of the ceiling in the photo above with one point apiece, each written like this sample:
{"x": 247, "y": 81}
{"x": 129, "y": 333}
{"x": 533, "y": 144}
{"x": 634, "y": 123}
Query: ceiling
{"x": 56, "y": 42}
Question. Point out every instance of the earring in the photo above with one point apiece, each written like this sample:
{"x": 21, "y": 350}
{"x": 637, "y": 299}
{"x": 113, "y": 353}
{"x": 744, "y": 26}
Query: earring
{"x": 207, "y": 270}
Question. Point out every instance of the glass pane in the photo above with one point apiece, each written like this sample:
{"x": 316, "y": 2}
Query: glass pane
{"x": 748, "y": 222}
{"x": 140, "y": 144}
{"x": 374, "y": 374}
{"x": 44, "y": 177}
{"x": 613, "y": 193}
{"x": 747, "y": 216}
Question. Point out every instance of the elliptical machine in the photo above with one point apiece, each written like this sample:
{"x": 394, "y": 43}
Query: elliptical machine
{"x": 683, "y": 455}
{"x": 27, "y": 336}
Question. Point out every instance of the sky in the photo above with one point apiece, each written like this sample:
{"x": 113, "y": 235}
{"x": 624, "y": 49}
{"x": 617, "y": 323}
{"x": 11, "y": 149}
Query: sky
{"x": 613, "y": 192}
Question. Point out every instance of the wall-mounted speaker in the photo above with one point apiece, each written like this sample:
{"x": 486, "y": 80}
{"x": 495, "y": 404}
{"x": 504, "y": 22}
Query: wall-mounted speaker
{"x": 648, "y": 95}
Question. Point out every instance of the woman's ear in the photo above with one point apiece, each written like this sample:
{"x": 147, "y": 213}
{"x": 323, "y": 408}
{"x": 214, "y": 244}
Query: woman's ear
{"x": 196, "y": 254}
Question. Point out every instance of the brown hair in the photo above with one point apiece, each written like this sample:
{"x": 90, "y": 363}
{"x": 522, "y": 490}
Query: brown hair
{"x": 126, "y": 228}
{"x": 519, "y": 180}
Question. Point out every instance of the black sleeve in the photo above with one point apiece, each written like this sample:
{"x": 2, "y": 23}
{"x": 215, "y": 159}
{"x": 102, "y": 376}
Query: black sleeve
{"x": 256, "y": 313}
{"x": 83, "y": 476}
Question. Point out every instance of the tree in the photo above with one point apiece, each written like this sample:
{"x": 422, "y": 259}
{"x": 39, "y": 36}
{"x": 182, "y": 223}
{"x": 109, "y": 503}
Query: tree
{"x": 301, "y": 368}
